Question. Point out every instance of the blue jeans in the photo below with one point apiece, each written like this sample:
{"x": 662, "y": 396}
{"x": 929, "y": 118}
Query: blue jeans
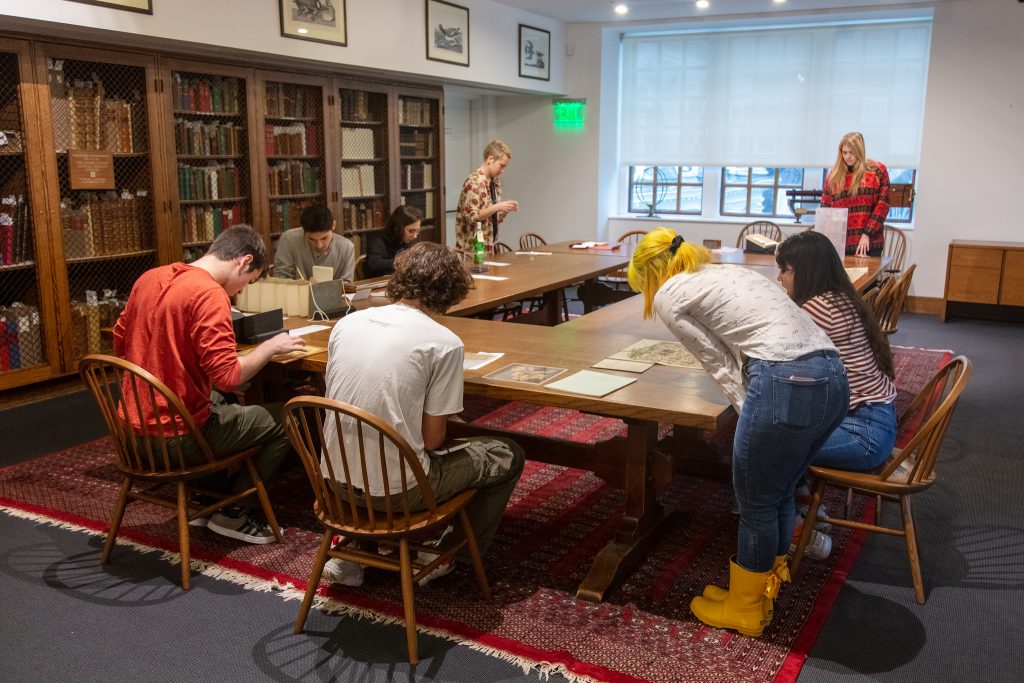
{"x": 863, "y": 441}
{"x": 790, "y": 409}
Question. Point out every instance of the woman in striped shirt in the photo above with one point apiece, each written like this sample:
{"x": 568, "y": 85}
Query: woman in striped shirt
{"x": 813, "y": 275}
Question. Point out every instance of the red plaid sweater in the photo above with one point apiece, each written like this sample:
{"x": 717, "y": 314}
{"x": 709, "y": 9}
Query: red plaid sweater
{"x": 868, "y": 208}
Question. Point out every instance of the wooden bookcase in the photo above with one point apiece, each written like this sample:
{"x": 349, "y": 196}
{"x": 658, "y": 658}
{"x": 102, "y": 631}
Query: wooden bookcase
{"x": 191, "y": 147}
{"x": 296, "y": 143}
{"x": 980, "y": 272}
{"x": 211, "y": 145}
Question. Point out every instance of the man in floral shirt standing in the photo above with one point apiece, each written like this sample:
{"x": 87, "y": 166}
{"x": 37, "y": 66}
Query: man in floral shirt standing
{"x": 481, "y": 201}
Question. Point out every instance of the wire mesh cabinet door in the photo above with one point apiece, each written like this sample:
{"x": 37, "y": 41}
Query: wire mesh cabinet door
{"x": 421, "y": 157}
{"x": 295, "y": 175}
{"x": 101, "y": 143}
{"x": 211, "y": 142}
{"x": 28, "y": 339}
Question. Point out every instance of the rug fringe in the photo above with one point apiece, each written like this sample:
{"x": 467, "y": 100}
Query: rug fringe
{"x": 323, "y": 603}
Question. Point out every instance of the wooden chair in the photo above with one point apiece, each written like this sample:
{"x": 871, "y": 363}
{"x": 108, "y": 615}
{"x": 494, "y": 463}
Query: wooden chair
{"x": 891, "y": 297}
{"x": 766, "y": 228}
{"x": 909, "y": 470}
{"x": 895, "y": 248}
{"x": 531, "y": 240}
{"x": 501, "y": 248}
{"x": 153, "y": 462}
{"x": 620, "y": 278}
{"x": 359, "y": 267}
{"x": 346, "y": 510}
{"x": 514, "y": 308}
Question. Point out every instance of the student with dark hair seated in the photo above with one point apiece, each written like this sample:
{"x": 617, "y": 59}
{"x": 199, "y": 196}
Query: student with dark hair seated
{"x": 401, "y": 231}
{"x": 401, "y": 365}
{"x": 314, "y": 244}
{"x": 177, "y": 325}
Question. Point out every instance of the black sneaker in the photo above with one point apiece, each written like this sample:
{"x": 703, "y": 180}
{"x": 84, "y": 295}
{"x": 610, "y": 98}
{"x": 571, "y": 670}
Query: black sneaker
{"x": 241, "y": 525}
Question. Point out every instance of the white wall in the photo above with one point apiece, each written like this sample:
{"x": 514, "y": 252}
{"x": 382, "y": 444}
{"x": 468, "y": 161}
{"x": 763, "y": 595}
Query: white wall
{"x": 388, "y": 35}
{"x": 970, "y": 180}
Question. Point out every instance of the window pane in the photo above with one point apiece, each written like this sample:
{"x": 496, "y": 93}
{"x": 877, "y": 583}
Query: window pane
{"x": 736, "y": 174}
{"x": 668, "y": 174}
{"x": 791, "y": 177}
{"x": 642, "y": 195}
{"x": 762, "y": 176}
{"x": 735, "y": 200}
{"x": 667, "y": 198}
{"x": 691, "y": 174}
{"x": 901, "y": 175}
{"x": 690, "y": 199}
{"x": 899, "y": 213}
{"x": 762, "y": 201}
{"x": 782, "y": 204}
{"x": 639, "y": 171}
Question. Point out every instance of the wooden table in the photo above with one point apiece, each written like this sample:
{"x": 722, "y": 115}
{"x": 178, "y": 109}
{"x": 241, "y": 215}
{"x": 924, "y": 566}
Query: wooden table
{"x": 687, "y": 398}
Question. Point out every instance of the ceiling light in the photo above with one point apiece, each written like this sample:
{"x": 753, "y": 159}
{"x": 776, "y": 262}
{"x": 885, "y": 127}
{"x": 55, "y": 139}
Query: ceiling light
{"x": 703, "y": 4}
{"x": 778, "y": 2}
{"x": 621, "y": 9}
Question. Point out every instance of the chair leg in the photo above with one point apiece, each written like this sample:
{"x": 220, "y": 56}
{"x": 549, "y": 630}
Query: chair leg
{"x": 812, "y": 516}
{"x": 407, "y": 602}
{"x": 474, "y": 552}
{"x": 314, "y": 581}
{"x": 183, "y": 549}
{"x": 115, "y": 522}
{"x": 261, "y": 493}
{"x": 911, "y": 538}
{"x": 878, "y": 510}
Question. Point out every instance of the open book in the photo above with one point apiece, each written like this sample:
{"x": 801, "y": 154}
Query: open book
{"x": 760, "y": 244}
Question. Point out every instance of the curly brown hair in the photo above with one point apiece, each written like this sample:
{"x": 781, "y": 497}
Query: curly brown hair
{"x": 431, "y": 274}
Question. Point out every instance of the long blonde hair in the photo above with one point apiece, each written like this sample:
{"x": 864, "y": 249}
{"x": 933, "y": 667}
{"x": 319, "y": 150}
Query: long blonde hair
{"x": 837, "y": 176}
{"x": 653, "y": 262}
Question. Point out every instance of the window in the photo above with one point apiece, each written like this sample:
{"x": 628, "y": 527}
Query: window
{"x": 758, "y": 191}
{"x": 666, "y": 189}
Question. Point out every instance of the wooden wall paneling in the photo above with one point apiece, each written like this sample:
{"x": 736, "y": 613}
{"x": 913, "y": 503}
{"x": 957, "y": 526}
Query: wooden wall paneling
{"x": 1011, "y": 291}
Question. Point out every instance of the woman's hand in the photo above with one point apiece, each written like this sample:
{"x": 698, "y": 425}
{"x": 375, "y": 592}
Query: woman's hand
{"x": 862, "y": 246}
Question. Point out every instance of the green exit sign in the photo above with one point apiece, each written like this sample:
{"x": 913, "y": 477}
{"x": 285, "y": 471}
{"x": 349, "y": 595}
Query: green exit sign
{"x": 569, "y": 114}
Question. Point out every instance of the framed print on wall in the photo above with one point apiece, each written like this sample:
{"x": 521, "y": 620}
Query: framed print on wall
{"x": 322, "y": 21}
{"x": 143, "y": 6}
{"x": 534, "y": 53}
{"x": 447, "y": 32}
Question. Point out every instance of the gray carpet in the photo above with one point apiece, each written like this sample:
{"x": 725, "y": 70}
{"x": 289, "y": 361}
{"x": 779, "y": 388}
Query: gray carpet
{"x": 64, "y": 618}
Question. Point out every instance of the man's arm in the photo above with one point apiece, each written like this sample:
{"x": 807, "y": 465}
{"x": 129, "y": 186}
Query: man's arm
{"x": 434, "y": 429}
{"x": 253, "y": 362}
{"x": 284, "y": 260}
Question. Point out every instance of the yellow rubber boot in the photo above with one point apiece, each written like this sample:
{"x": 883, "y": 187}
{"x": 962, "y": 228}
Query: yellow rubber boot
{"x": 780, "y": 569}
{"x": 743, "y": 608}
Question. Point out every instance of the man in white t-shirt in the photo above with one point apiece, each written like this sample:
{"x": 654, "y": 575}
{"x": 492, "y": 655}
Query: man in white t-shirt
{"x": 398, "y": 363}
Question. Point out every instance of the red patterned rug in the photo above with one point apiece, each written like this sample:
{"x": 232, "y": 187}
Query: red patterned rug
{"x": 556, "y": 521}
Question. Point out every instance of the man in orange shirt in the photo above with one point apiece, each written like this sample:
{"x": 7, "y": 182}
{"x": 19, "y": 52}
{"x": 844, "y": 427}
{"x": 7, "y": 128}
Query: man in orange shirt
{"x": 177, "y": 325}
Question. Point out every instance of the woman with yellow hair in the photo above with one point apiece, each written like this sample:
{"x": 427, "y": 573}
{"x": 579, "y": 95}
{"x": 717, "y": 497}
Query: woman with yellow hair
{"x": 861, "y": 186}
{"x": 784, "y": 377}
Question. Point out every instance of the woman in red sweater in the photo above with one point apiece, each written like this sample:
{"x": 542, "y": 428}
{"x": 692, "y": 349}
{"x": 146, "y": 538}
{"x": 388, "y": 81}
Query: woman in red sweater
{"x": 862, "y": 186}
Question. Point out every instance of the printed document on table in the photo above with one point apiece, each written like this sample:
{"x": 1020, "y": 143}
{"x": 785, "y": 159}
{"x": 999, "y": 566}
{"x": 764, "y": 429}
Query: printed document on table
{"x": 474, "y": 360}
{"x": 488, "y": 277}
{"x": 496, "y": 263}
{"x": 591, "y": 383}
{"x": 624, "y": 365}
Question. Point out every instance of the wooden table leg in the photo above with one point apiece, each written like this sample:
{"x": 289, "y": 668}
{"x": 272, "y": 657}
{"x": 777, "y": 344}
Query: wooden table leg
{"x": 642, "y": 520}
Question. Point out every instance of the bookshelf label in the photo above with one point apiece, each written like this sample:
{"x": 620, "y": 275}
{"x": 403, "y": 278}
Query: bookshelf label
{"x": 91, "y": 170}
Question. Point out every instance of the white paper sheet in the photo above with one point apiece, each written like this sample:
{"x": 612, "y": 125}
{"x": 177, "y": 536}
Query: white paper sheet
{"x": 488, "y": 277}
{"x": 308, "y": 329}
{"x": 591, "y": 383}
{"x": 474, "y": 360}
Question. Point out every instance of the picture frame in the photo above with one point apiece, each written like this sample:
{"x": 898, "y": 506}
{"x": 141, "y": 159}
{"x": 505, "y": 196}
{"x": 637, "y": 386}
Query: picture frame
{"x": 447, "y": 27}
{"x": 534, "y": 53}
{"x": 141, "y": 6}
{"x": 319, "y": 21}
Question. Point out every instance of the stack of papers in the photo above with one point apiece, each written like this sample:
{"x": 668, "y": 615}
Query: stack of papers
{"x": 591, "y": 383}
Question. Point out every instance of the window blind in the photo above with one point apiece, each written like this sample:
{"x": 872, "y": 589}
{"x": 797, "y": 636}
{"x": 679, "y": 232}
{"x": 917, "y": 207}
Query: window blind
{"x": 774, "y": 97}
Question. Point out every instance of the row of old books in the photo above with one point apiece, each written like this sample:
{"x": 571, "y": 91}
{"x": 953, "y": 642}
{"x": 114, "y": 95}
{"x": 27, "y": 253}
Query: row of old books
{"x": 84, "y": 119}
{"x": 358, "y": 181}
{"x": 214, "y": 181}
{"x": 357, "y": 143}
{"x": 293, "y": 177}
{"x": 90, "y": 317}
{"x": 21, "y": 337}
{"x": 415, "y": 112}
{"x": 205, "y": 94}
{"x": 416, "y": 143}
{"x": 417, "y": 176}
{"x": 285, "y": 214}
{"x": 105, "y": 223}
{"x": 203, "y": 223}
{"x": 363, "y": 215}
{"x": 285, "y": 100}
{"x": 15, "y": 231}
{"x": 300, "y": 139}
{"x": 200, "y": 138}
{"x": 355, "y": 106}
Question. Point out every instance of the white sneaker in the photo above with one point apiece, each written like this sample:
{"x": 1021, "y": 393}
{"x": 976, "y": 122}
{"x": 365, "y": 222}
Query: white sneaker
{"x": 818, "y": 548}
{"x": 344, "y": 572}
{"x": 438, "y": 571}
{"x": 241, "y": 525}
